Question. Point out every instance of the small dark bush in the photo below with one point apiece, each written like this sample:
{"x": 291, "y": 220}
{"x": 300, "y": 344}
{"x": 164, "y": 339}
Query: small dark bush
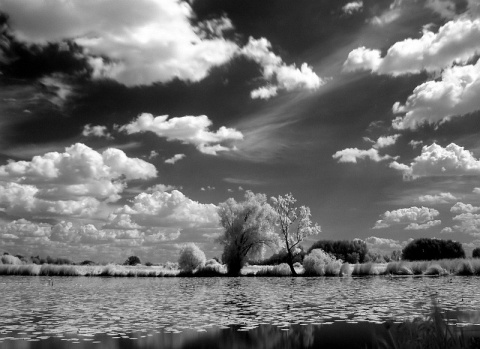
{"x": 353, "y": 251}
{"x": 476, "y": 252}
{"x": 148, "y": 264}
{"x": 132, "y": 260}
{"x": 87, "y": 262}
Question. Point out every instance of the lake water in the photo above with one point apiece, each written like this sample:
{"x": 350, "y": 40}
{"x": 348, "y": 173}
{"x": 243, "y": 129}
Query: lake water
{"x": 248, "y": 312}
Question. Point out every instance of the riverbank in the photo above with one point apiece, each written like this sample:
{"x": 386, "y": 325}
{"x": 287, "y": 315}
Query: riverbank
{"x": 462, "y": 267}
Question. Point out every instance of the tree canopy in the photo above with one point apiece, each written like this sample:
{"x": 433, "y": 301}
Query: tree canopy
{"x": 294, "y": 225}
{"x": 353, "y": 251}
{"x": 248, "y": 229}
{"x": 432, "y": 249}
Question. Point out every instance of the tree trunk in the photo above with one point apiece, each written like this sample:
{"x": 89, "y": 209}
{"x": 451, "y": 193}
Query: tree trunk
{"x": 290, "y": 262}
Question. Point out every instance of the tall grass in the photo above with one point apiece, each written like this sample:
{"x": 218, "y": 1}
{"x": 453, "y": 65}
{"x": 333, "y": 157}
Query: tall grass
{"x": 432, "y": 333}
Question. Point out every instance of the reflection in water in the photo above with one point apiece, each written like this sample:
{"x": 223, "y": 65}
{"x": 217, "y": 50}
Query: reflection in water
{"x": 251, "y": 312}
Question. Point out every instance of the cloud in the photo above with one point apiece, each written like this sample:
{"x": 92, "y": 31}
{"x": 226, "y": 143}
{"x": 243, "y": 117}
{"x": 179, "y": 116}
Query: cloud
{"x": 73, "y": 183}
{"x": 161, "y": 187}
{"x": 163, "y": 209}
{"x": 460, "y": 207}
{"x": 427, "y": 225}
{"x": 188, "y": 130}
{"x": 362, "y": 58}
{"x": 161, "y": 30}
{"x": 435, "y": 160}
{"x": 97, "y": 131}
{"x": 175, "y": 158}
{"x": 385, "y": 141}
{"x": 382, "y": 243}
{"x": 417, "y": 215}
{"x": 435, "y": 102}
{"x": 469, "y": 223}
{"x": 353, "y": 154}
{"x": 352, "y": 7}
{"x": 243, "y": 181}
{"x": 456, "y": 41}
{"x": 276, "y": 72}
{"x": 442, "y": 198}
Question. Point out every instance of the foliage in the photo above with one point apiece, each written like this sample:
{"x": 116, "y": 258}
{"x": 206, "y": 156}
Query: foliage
{"x": 476, "y": 252}
{"x": 281, "y": 257}
{"x": 9, "y": 259}
{"x": 132, "y": 260}
{"x": 318, "y": 262}
{"x": 59, "y": 261}
{"x": 248, "y": 229}
{"x": 294, "y": 225}
{"x": 348, "y": 251}
{"x": 396, "y": 256}
{"x": 432, "y": 249}
{"x": 376, "y": 257}
{"x": 191, "y": 257}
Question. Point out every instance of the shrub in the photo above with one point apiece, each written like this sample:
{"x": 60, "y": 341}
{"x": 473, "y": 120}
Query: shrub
{"x": 316, "y": 262}
{"x": 348, "y": 251}
{"x": 9, "y": 259}
{"x": 432, "y": 249}
{"x": 345, "y": 269}
{"x": 148, "y": 264}
{"x": 191, "y": 258}
{"x": 132, "y": 260}
{"x": 465, "y": 268}
{"x": 435, "y": 269}
{"x": 476, "y": 252}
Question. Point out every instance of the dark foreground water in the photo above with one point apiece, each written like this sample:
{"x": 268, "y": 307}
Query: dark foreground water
{"x": 82, "y": 312}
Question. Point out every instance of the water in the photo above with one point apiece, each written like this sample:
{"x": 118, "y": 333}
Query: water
{"x": 217, "y": 312}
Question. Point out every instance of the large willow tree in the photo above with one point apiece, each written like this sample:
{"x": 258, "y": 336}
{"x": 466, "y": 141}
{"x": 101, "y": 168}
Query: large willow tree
{"x": 248, "y": 229}
{"x": 294, "y": 224}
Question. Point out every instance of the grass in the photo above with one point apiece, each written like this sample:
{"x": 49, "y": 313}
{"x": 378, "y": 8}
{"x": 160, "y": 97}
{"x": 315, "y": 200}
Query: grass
{"x": 434, "y": 332}
{"x": 463, "y": 267}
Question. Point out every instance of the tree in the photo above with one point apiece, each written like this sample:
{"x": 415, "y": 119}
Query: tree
{"x": 248, "y": 229}
{"x": 476, "y": 252}
{"x": 432, "y": 249}
{"x": 132, "y": 260}
{"x": 351, "y": 251}
{"x": 294, "y": 225}
{"x": 191, "y": 257}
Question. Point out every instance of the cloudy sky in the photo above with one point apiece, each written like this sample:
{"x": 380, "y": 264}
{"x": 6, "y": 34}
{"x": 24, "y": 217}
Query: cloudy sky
{"x": 124, "y": 123}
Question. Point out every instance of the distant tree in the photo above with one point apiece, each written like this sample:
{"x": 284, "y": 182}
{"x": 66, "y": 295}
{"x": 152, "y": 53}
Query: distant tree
{"x": 351, "y": 251}
{"x": 432, "y": 249}
{"x": 294, "y": 225}
{"x": 476, "y": 252}
{"x": 191, "y": 257}
{"x": 132, "y": 260}
{"x": 396, "y": 255}
{"x": 248, "y": 228}
{"x": 281, "y": 257}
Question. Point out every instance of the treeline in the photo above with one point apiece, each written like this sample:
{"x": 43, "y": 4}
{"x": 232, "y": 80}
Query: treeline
{"x": 432, "y": 249}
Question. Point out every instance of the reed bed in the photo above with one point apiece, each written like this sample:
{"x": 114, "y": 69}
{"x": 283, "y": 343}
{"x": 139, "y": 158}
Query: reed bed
{"x": 461, "y": 267}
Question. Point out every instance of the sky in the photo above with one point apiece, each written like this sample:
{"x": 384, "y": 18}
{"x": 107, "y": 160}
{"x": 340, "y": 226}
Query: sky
{"x": 123, "y": 124}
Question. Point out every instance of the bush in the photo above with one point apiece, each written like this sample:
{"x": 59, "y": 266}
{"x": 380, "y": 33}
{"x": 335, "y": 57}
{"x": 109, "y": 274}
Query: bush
{"x": 282, "y": 257}
{"x": 148, "y": 264}
{"x": 348, "y": 251}
{"x": 191, "y": 258}
{"x": 132, "y": 260}
{"x": 476, "y": 252}
{"x": 432, "y": 249}
{"x": 316, "y": 262}
{"x": 9, "y": 259}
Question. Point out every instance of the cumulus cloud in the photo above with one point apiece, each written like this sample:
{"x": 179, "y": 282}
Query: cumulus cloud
{"x": 160, "y": 29}
{"x": 435, "y": 102}
{"x": 188, "y": 130}
{"x": 382, "y": 243}
{"x": 435, "y": 160}
{"x": 352, "y": 7}
{"x": 72, "y": 183}
{"x": 353, "y": 154}
{"x": 97, "y": 131}
{"x": 175, "y": 158}
{"x": 457, "y": 41}
{"x": 442, "y": 198}
{"x": 423, "y": 226}
{"x": 460, "y": 207}
{"x": 276, "y": 72}
{"x": 385, "y": 141}
{"x": 469, "y": 223}
{"x": 362, "y": 58}
{"x": 165, "y": 209}
{"x": 416, "y": 215}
